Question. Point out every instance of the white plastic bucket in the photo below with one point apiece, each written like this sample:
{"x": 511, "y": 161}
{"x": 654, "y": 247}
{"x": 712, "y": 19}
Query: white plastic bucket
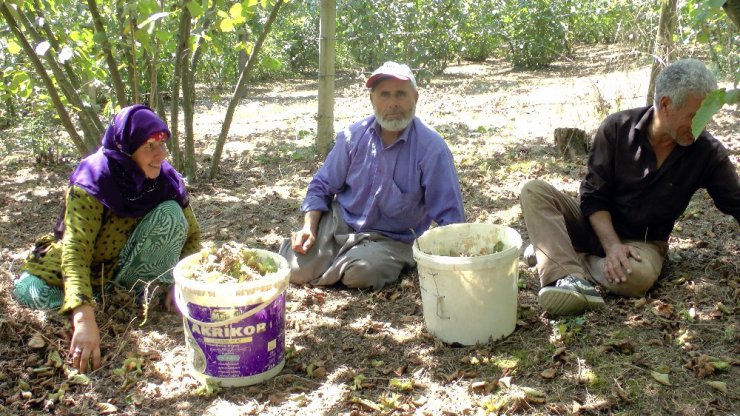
{"x": 471, "y": 298}
{"x": 234, "y": 332}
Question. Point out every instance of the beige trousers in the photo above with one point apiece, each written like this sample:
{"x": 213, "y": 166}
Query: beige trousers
{"x": 565, "y": 243}
{"x": 357, "y": 260}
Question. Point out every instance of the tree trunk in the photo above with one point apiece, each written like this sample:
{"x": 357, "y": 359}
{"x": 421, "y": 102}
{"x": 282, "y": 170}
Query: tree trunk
{"x": 664, "y": 50}
{"x": 130, "y": 52}
{"x": 732, "y": 8}
{"x": 183, "y": 36}
{"x": 188, "y": 85}
{"x": 239, "y": 90}
{"x": 242, "y": 55}
{"x": 572, "y": 143}
{"x": 77, "y": 83}
{"x": 10, "y": 110}
{"x": 91, "y": 133}
{"x": 152, "y": 64}
{"x": 327, "y": 44}
{"x": 41, "y": 72}
{"x": 153, "y": 80}
{"x": 108, "y": 53}
{"x": 188, "y": 94}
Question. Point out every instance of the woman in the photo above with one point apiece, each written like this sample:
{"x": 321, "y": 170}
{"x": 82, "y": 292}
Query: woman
{"x": 126, "y": 220}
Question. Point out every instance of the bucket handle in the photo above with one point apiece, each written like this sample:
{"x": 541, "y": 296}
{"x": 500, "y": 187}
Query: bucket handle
{"x": 180, "y": 303}
{"x": 439, "y": 298}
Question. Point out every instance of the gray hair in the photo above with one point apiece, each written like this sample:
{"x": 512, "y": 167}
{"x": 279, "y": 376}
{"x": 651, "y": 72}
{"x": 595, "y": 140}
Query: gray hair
{"x": 681, "y": 78}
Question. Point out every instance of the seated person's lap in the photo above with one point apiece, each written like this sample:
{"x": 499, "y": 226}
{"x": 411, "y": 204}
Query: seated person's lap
{"x": 373, "y": 264}
{"x": 644, "y": 273}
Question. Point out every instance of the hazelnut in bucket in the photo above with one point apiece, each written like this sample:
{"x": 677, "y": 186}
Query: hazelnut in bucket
{"x": 232, "y": 299}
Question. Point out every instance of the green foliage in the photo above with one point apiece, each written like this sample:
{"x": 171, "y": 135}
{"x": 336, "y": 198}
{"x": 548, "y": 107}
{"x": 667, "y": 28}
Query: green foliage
{"x": 709, "y": 25}
{"x": 600, "y": 21}
{"x": 426, "y": 34}
{"x": 710, "y": 106}
{"x": 294, "y": 40}
{"x": 47, "y": 146}
{"x": 706, "y": 23}
{"x": 421, "y": 33}
{"x": 534, "y": 33}
{"x": 479, "y": 36}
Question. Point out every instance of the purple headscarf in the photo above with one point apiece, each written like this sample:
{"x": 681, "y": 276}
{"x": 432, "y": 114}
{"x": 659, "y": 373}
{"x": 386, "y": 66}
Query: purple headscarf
{"x": 113, "y": 177}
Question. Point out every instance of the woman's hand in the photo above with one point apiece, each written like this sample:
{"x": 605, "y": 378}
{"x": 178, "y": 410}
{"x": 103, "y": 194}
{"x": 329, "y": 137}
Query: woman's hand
{"x": 85, "y": 345}
{"x": 169, "y": 301}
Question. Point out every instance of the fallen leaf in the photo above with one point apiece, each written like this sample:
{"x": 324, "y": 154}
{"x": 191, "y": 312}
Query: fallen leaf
{"x": 301, "y": 399}
{"x": 663, "y": 369}
{"x": 724, "y": 309}
{"x": 275, "y": 399}
{"x": 106, "y": 408}
{"x": 319, "y": 372}
{"x": 357, "y": 382}
{"x": 367, "y": 403}
{"x": 452, "y": 376}
{"x": 479, "y": 385}
{"x": 621, "y": 346}
{"x": 718, "y": 385}
{"x": 420, "y": 401}
{"x": 401, "y": 384}
{"x": 55, "y": 359}
{"x": 549, "y": 373}
{"x": 557, "y": 354}
{"x": 530, "y": 392}
{"x": 416, "y": 361}
{"x": 36, "y": 341}
{"x": 469, "y": 374}
{"x": 206, "y": 388}
{"x": 663, "y": 309}
{"x": 717, "y": 363}
{"x": 661, "y": 378}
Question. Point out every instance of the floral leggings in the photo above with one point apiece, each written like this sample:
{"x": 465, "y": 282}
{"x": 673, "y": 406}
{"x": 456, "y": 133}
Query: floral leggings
{"x": 150, "y": 254}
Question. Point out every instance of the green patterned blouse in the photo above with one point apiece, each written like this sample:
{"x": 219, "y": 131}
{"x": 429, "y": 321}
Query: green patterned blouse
{"x": 88, "y": 253}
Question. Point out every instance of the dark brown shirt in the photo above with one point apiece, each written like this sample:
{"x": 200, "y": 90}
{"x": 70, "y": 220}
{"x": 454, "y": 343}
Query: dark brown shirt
{"x": 645, "y": 201}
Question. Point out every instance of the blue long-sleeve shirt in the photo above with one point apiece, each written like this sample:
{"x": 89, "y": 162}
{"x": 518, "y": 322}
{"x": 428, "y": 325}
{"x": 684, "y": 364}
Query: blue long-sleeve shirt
{"x": 389, "y": 190}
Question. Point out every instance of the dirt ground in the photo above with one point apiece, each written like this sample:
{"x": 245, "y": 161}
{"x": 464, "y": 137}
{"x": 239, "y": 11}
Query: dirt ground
{"x": 351, "y": 352}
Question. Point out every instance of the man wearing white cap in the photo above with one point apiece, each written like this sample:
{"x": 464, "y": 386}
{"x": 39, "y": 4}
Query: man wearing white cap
{"x": 388, "y": 177}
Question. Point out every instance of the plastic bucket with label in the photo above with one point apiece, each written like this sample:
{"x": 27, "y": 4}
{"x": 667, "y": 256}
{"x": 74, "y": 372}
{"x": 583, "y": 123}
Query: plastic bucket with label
{"x": 234, "y": 332}
{"x": 469, "y": 286}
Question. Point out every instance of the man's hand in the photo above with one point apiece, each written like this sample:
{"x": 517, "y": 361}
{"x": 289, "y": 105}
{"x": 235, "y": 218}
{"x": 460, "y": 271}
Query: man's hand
{"x": 303, "y": 239}
{"x": 85, "y": 345}
{"x": 617, "y": 263}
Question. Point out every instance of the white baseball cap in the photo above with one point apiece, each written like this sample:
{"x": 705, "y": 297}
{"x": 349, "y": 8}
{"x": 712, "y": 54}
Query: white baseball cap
{"x": 393, "y": 70}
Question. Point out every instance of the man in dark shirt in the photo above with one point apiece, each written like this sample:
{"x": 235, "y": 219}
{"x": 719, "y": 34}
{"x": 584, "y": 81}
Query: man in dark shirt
{"x": 643, "y": 168}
